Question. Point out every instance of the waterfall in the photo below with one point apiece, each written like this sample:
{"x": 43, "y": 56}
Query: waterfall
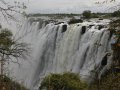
{"x": 77, "y": 49}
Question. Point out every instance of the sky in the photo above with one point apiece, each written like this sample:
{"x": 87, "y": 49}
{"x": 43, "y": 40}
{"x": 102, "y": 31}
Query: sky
{"x": 66, "y": 6}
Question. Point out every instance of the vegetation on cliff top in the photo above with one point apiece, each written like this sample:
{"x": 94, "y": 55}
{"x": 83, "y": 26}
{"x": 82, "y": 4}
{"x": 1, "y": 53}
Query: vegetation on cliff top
{"x": 65, "y": 81}
{"x": 7, "y": 83}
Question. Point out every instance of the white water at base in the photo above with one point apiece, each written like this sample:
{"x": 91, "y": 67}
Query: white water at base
{"x": 54, "y": 51}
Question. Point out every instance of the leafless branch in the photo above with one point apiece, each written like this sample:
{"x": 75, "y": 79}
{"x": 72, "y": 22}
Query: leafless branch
{"x": 8, "y": 10}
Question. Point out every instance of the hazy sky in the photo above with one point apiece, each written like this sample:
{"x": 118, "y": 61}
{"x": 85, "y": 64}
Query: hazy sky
{"x": 68, "y": 6}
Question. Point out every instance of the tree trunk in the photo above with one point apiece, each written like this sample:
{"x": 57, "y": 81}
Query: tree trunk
{"x": 2, "y": 65}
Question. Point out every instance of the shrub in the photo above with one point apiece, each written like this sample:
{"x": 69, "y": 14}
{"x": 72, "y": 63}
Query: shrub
{"x": 65, "y": 81}
{"x": 8, "y": 84}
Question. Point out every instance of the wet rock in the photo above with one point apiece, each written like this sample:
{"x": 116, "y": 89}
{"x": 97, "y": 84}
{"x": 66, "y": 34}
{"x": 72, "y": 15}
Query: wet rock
{"x": 0, "y": 26}
{"x": 100, "y": 27}
{"x": 83, "y": 29}
{"x": 91, "y": 26}
{"x": 100, "y": 19}
{"x": 104, "y": 60}
{"x": 64, "y": 28}
{"x": 58, "y": 23}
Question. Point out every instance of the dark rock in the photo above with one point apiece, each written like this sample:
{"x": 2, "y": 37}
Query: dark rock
{"x": 104, "y": 60}
{"x": 0, "y": 26}
{"x": 73, "y": 21}
{"x": 111, "y": 34}
{"x": 58, "y": 23}
{"x": 64, "y": 28}
{"x": 89, "y": 21}
{"x": 46, "y": 22}
{"x": 100, "y": 19}
{"x": 91, "y": 26}
{"x": 83, "y": 29}
{"x": 100, "y": 27}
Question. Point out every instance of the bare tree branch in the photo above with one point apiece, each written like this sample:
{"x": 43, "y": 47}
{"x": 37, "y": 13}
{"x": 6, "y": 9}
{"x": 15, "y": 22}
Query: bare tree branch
{"x": 8, "y": 10}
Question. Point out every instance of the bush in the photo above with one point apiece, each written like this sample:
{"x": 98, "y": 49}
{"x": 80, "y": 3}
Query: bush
{"x": 65, "y": 81}
{"x": 8, "y": 84}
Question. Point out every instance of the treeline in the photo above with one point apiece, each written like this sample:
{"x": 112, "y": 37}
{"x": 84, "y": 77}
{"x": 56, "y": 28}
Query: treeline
{"x": 86, "y": 14}
{"x": 50, "y": 15}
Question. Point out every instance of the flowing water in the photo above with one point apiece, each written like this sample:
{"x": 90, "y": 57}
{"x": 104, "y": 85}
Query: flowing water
{"x": 53, "y": 50}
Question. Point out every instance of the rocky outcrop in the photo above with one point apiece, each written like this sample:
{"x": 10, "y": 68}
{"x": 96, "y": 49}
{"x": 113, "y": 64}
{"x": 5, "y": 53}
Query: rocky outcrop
{"x": 73, "y": 21}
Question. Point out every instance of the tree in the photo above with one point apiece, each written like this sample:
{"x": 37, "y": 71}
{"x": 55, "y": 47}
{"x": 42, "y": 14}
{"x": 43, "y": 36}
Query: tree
{"x": 65, "y": 81}
{"x": 87, "y": 14}
{"x": 10, "y": 49}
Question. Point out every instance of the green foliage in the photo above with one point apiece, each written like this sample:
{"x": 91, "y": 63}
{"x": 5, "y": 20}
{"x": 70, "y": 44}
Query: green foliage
{"x": 87, "y": 14}
{"x": 73, "y": 21}
{"x": 65, "y": 81}
{"x": 9, "y": 84}
{"x": 9, "y": 46}
{"x": 6, "y": 39}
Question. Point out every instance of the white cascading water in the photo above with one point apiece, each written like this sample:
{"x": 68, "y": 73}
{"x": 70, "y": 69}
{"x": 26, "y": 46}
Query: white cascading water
{"x": 54, "y": 51}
